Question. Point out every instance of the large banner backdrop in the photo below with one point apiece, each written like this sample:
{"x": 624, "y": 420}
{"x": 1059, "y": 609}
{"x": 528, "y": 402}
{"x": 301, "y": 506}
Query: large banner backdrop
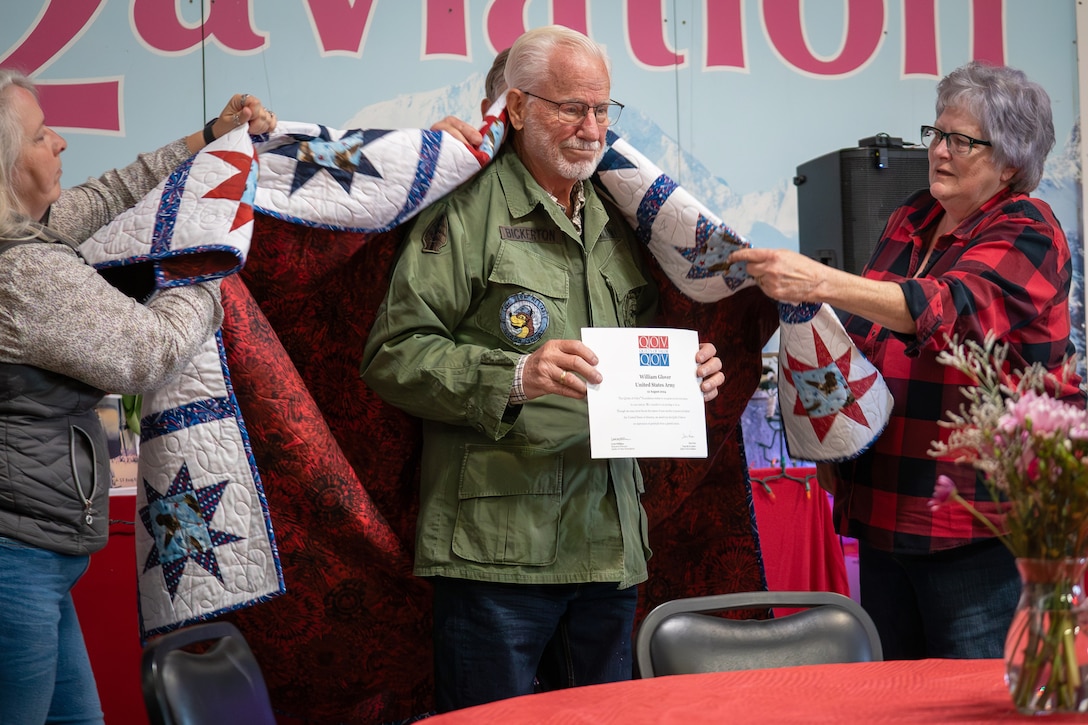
{"x": 727, "y": 97}
{"x": 732, "y": 95}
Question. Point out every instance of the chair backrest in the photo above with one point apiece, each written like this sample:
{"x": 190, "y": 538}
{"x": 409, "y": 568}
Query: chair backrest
{"x": 678, "y": 637}
{"x": 222, "y": 684}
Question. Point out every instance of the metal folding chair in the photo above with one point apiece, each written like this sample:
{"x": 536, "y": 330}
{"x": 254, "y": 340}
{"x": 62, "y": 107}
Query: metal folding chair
{"x": 222, "y": 684}
{"x": 682, "y": 637}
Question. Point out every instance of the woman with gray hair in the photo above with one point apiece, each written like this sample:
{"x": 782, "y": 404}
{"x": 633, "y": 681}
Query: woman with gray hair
{"x": 66, "y": 337}
{"x": 971, "y": 254}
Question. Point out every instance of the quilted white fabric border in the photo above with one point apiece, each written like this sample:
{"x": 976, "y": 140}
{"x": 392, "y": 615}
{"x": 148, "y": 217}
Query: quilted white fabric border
{"x": 204, "y": 538}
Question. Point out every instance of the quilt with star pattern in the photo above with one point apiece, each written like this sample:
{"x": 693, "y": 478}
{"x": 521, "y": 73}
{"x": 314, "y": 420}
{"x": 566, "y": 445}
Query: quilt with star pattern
{"x": 271, "y": 475}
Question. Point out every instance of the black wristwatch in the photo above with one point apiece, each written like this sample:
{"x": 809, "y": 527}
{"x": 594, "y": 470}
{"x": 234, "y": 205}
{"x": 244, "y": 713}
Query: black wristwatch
{"x": 209, "y": 135}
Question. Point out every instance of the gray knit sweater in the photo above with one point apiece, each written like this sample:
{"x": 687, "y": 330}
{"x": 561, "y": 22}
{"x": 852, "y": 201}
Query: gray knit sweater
{"x": 57, "y": 313}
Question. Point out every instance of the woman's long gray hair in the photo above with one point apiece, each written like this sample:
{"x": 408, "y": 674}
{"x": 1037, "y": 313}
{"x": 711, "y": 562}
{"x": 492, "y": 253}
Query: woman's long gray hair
{"x": 13, "y": 223}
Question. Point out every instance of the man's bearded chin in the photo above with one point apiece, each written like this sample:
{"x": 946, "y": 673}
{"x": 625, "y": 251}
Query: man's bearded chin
{"x": 582, "y": 170}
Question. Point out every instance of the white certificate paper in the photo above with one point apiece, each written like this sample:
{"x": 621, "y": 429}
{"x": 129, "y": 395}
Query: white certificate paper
{"x": 649, "y": 404}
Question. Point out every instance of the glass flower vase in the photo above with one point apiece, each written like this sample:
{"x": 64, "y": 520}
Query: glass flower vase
{"x": 1046, "y": 651}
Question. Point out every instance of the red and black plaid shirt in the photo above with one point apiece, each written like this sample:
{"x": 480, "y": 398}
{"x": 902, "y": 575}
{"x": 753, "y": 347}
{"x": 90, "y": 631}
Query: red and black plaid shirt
{"x": 1005, "y": 269}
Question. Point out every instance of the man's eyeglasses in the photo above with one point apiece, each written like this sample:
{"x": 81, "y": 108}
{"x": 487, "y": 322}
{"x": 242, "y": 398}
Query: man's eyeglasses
{"x": 958, "y": 143}
{"x": 575, "y": 112}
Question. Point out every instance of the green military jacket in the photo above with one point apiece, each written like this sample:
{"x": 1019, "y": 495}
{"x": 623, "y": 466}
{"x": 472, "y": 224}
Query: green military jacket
{"x": 509, "y": 493}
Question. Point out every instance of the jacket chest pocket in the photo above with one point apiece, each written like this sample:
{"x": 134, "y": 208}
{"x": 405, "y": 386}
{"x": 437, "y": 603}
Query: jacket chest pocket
{"x": 527, "y": 297}
{"x": 509, "y": 499}
{"x": 625, "y": 281}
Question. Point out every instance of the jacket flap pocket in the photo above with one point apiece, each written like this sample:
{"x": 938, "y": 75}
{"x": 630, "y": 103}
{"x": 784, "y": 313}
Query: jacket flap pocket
{"x": 516, "y": 266}
{"x": 508, "y": 512}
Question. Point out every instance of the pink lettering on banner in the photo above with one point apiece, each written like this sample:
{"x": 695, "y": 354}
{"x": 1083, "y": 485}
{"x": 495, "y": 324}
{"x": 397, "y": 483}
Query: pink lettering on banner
{"x": 81, "y": 105}
{"x": 862, "y": 36}
{"x": 646, "y": 35}
{"x": 571, "y": 13}
{"x": 92, "y": 105}
{"x": 228, "y": 22}
{"x": 55, "y": 29}
{"x": 445, "y": 31}
{"x": 920, "y": 39}
{"x": 341, "y": 26}
{"x": 724, "y": 34}
{"x": 505, "y": 21}
{"x": 988, "y": 31}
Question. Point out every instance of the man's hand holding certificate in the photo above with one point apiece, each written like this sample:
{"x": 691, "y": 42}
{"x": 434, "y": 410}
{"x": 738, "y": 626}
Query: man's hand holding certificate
{"x": 649, "y": 404}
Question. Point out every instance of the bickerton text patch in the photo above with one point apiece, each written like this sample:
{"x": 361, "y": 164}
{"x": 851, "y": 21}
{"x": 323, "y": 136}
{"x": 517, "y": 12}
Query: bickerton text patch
{"x": 528, "y": 234}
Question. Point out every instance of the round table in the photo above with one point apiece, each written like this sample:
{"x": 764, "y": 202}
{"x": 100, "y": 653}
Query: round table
{"x": 926, "y": 692}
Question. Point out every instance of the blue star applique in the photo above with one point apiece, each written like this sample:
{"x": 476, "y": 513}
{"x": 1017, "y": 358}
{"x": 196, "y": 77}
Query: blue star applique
{"x": 703, "y": 259}
{"x": 713, "y": 244}
{"x": 342, "y": 158}
{"x": 179, "y": 523}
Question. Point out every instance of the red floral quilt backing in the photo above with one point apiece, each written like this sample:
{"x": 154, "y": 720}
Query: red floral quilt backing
{"x": 350, "y": 640}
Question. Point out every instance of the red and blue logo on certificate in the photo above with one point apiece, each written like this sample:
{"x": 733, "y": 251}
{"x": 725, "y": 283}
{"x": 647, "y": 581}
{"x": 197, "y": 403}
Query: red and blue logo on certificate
{"x": 653, "y": 351}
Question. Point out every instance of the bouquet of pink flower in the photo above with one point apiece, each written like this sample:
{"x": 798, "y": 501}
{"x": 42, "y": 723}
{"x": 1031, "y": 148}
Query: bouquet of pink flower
{"x": 1033, "y": 453}
{"x": 1031, "y": 449}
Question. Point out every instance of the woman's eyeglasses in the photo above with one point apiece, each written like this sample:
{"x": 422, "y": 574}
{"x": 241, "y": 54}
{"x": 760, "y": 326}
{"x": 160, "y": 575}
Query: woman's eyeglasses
{"x": 958, "y": 143}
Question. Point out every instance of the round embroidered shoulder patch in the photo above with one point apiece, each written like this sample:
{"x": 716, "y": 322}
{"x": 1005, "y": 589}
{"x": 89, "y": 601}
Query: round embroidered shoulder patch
{"x": 523, "y": 318}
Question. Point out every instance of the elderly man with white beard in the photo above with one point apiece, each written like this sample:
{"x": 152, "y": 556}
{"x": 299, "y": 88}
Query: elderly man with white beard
{"x": 534, "y": 548}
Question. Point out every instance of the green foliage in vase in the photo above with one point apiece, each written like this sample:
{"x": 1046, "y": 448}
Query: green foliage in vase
{"x": 130, "y": 409}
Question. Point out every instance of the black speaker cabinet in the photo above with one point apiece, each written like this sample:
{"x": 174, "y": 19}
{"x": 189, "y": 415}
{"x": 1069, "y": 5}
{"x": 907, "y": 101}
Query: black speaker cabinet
{"x": 844, "y": 199}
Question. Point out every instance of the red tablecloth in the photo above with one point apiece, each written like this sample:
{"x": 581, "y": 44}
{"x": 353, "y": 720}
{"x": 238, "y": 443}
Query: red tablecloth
{"x": 801, "y": 551}
{"x": 933, "y": 692}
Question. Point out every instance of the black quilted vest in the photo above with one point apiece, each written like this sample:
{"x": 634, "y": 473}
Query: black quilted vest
{"x": 54, "y": 460}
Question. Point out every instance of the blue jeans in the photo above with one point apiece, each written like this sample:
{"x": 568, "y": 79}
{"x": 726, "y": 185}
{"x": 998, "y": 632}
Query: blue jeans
{"x": 45, "y": 674}
{"x": 496, "y": 640}
{"x": 956, "y": 604}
